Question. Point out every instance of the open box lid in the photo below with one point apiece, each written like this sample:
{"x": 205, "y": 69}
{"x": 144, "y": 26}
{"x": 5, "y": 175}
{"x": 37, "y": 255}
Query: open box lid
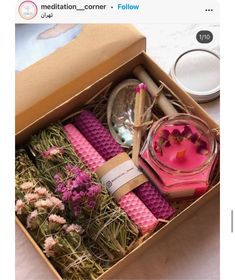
{"x": 54, "y": 79}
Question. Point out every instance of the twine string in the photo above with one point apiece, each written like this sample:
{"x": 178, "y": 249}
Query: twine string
{"x": 179, "y": 103}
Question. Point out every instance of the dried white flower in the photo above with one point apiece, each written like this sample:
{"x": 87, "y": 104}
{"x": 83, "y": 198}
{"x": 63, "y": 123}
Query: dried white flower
{"x": 57, "y": 219}
{"x": 43, "y": 203}
{"x": 26, "y": 186}
{"x": 57, "y": 203}
{"x": 49, "y": 244}
{"x": 31, "y": 218}
{"x": 19, "y": 206}
{"x": 74, "y": 228}
{"x": 31, "y": 197}
{"x": 41, "y": 191}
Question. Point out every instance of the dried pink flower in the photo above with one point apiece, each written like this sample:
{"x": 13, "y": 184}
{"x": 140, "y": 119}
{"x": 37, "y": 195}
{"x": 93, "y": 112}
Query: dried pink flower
{"x": 44, "y": 203}
{"x": 78, "y": 191}
{"x": 58, "y": 177}
{"x": 51, "y": 152}
{"x": 31, "y": 218}
{"x": 74, "y": 228}
{"x": 57, "y": 203}
{"x": 57, "y": 219}
{"x": 31, "y": 197}
{"x": 27, "y": 186}
{"x": 49, "y": 244}
{"x": 41, "y": 191}
{"x": 19, "y": 206}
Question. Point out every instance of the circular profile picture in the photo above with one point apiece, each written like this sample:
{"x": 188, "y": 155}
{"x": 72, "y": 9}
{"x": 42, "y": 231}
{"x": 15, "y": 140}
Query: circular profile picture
{"x": 28, "y": 10}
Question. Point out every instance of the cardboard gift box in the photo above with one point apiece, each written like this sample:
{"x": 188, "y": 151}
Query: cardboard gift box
{"x": 64, "y": 81}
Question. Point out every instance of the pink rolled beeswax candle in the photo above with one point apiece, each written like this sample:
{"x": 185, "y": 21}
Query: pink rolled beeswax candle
{"x": 130, "y": 203}
{"x": 100, "y": 138}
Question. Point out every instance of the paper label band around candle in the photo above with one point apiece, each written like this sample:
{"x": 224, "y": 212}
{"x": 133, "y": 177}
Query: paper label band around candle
{"x": 120, "y": 175}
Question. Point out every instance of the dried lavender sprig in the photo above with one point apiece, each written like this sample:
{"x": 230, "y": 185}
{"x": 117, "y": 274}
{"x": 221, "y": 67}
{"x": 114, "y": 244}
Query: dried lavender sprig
{"x": 108, "y": 225}
{"x": 38, "y": 210}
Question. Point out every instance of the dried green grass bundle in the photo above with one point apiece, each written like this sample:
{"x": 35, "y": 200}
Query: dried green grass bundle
{"x": 106, "y": 224}
{"x": 43, "y": 214}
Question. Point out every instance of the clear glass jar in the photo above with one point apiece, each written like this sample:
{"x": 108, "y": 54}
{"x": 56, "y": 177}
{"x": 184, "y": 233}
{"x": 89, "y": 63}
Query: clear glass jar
{"x": 179, "y": 155}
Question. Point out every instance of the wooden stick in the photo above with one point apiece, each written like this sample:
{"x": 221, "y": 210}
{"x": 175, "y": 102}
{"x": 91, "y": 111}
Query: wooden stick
{"x": 139, "y": 111}
{"x": 163, "y": 102}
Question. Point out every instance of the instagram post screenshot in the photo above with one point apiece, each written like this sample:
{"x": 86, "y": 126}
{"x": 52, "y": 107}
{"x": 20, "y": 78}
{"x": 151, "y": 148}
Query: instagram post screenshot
{"x": 117, "y": 140}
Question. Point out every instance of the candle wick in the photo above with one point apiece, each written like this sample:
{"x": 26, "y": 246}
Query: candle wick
{"x": 181, "y": 155}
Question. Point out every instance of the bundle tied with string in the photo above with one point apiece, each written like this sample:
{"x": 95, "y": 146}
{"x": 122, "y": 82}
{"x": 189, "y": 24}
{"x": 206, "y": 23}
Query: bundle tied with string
{"x": 103, "y": 142}
{"x": 139, "y": 121}
{"x": 128, "y": 201}
{"x": 103, "y": 221}
{"x": 43, "y": 213}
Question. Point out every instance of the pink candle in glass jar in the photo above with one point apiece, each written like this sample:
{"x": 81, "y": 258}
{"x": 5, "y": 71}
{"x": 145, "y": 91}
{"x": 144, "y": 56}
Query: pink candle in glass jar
{"x": 179, "y": 155}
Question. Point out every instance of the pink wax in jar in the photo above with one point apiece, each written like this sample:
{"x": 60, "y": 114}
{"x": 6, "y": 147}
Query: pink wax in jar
{"x": 179, "y": 155}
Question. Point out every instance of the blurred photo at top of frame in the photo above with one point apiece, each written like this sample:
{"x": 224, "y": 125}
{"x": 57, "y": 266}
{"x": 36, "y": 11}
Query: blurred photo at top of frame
{"x": 35, "y": 41}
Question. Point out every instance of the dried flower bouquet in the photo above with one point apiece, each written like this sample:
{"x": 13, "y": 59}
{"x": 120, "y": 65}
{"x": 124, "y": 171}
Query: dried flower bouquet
{"x": 87, "y": 202}
{"x": 43, "y": 213}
